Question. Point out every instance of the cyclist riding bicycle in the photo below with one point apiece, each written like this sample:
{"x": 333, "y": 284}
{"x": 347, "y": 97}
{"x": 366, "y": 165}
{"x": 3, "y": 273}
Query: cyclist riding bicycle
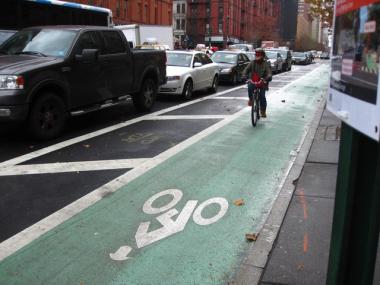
{"x": 261, "y": 74}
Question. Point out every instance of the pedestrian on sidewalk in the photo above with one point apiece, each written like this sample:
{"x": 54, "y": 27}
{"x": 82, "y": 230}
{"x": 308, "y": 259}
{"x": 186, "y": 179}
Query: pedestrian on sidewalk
{"x": 260, "y": 75}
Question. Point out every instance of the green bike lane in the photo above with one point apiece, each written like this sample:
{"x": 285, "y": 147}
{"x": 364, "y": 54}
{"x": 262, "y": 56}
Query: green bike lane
{"x": 177, "y": 223}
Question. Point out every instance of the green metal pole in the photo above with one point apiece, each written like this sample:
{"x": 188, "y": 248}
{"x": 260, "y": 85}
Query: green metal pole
{"x": 356, "y": 222}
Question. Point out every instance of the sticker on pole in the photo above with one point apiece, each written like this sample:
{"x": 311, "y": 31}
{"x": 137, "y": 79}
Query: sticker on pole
{"x": 354, "y": 95}
{"x": 172, "y": 221}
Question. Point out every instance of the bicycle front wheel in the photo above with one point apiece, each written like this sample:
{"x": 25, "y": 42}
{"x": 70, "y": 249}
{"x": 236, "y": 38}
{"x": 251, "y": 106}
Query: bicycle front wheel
{"x": 254, "y": 113}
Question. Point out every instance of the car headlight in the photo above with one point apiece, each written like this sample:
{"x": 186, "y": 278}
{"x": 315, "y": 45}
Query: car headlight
{"x": 172, "y": 78}
{"x": 11, "y": 82}
{"x": 226, "y": 70}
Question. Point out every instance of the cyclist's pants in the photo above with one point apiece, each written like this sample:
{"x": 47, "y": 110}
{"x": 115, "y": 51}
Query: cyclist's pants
{"x": 263, "y": 100}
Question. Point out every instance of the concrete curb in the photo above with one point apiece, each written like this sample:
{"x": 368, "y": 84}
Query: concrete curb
{"x": 253, "y": 264}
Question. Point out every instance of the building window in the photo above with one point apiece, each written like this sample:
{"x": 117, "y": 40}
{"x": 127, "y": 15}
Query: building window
{"x": 207, "y": 28}
{"x": 125, "y": 8}
{"x": 208, "y": 11}
{"x": 183, "y": 24}
{"x": 146, "y": 18}
{"x": 178, "y": 8}
{"x": 220, "y": 28}
{"x": 178, "y": 25}
{"x": 139, "y": 11}
{"x": 183, "y": 8}
{"x": 118, "y": 8}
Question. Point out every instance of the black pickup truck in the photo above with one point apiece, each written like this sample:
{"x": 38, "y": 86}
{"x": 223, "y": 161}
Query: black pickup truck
{"x": 49, "y": 73}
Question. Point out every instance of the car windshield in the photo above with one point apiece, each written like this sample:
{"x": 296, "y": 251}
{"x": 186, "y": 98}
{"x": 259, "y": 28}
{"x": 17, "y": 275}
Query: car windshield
{"x": 4, "y": 35}
{"x": 251, "y": 55}
{"x": 241, "y": 47}
{"x": 45, "y": 42}
{"x": 222, "y": 57}
{"x": 271, "y": 55}
{"x": 299, "y": 54}
{"x": 178, "y": 59}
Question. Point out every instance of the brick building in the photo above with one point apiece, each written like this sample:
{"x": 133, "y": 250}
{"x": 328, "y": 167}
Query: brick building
{"x": 219, "y": 22}
{"x": 155, "y": 12}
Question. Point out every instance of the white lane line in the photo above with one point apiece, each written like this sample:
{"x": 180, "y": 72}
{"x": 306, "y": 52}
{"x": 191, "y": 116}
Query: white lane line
{"x": 72, "y": 166}
{"x": 231, "y": 98}
{"x": 33, "y": 232}
{"x": 189, "y": 117}
{"x": 46, "y": 150}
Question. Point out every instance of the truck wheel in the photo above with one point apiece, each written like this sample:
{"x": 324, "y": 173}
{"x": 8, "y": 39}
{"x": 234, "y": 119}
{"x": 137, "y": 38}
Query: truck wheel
{"x": 145, "y": 99}
{"x": 187, "y": 92}
{"x": 47, "y": 117}
{"x": 214, "y": 86}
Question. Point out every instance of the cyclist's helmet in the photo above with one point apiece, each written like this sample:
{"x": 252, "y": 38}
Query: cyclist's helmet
{"x": 259, "y": 52}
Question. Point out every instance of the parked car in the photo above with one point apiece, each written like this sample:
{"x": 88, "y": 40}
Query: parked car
{"x": 251, "y": 55}
{"x": 275, "y": 60}
{"x": 242, "y": 47}
{"x": 50, "y": 72}
{"x": 231, "y": 65}
{"x": 325, "y": 55}
{"x": 5, "y": 34}
{"x": 287, "y": 58}
{"x": 188, "y": 71}
{"x": 300, "y": 58}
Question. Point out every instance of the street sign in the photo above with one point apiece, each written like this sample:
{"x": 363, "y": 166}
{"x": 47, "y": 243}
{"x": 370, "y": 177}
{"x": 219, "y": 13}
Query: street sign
{"x": 354, "y": 94}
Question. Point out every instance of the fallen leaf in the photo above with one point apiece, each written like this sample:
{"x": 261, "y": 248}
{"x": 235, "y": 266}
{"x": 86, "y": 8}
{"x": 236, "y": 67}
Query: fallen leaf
{"x": 239, "y": 202}
{"x": 300, "y": 266}
{"x": 283, "y": 101}
{"x": 86, "y": 145}
{"x": 251, "y": 237}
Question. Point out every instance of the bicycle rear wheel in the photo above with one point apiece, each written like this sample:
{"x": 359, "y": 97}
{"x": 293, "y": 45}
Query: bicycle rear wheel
{"x": 254, "y": 113}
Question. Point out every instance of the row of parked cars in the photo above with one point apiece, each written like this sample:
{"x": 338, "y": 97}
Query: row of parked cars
{"x": 188, "y": 71}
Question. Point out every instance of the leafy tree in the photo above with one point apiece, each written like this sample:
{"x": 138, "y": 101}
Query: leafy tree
{"x": 322, "y": 9}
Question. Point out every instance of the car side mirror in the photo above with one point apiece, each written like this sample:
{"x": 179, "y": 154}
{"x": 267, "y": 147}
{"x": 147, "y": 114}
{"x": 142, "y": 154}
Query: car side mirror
{"x": 197, "y": 64}
{"x": 88, "y": 55}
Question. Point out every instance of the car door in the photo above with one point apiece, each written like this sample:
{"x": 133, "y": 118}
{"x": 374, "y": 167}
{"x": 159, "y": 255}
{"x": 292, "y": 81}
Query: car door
{"x": 86, "y": 79}
{"x": 197, "y": 72}
{"x": 243, "y": 61}
{"x": 117, "y": 65}
{"x": 209, "y": 70}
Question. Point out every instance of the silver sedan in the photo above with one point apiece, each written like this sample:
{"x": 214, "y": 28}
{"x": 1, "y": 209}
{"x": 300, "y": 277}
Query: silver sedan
{"x": 188, "y": 71}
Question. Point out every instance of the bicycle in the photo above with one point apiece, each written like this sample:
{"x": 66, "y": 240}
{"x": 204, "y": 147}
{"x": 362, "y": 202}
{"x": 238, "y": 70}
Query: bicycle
{"x": 255, "y": 110}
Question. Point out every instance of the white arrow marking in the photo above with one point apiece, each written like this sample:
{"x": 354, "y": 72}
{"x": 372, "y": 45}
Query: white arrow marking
{"x": 121, "y": 254}
{"x": 169, "y": 226}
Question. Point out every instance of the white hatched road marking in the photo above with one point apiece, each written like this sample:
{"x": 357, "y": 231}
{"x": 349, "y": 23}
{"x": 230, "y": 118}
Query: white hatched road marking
{"x": 49, "y": 149}
{"x": 72, "y": 166}
{"x": 190, "y": 117}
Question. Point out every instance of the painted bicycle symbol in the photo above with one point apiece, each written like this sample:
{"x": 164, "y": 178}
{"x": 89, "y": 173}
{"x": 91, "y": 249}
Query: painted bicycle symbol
{"x": 171, "y": 226}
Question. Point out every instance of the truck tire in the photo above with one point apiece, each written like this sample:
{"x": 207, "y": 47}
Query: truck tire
{"x": 145, "y": 99}
{"x": 47, "y": 116}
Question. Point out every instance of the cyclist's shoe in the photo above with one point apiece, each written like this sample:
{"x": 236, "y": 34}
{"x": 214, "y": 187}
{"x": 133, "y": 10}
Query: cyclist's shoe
{"x": 263, "y": 114}
{"x": 250, "y": 102}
